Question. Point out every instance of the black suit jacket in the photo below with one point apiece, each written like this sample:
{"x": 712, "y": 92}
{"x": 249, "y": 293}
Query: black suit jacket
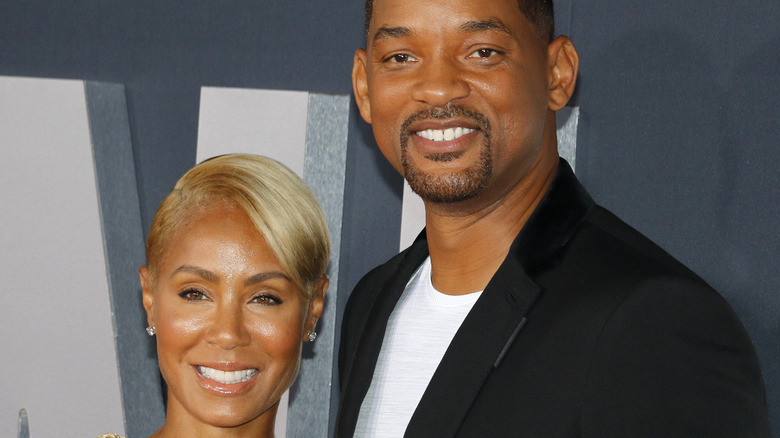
{"x": 587, "y": 329}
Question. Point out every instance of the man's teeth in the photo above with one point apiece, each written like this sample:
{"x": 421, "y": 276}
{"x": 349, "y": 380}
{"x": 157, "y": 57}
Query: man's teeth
{"x": 444, "y": 134}
{"x": 226, "y": 377}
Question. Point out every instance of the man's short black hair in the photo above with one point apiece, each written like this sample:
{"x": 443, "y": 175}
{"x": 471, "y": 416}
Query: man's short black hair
{"x": 538, "y": 12}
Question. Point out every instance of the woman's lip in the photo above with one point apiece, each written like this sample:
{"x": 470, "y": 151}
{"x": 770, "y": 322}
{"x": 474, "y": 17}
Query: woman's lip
{"x": 225, "y": 388}
{"x": 227, "y": 366}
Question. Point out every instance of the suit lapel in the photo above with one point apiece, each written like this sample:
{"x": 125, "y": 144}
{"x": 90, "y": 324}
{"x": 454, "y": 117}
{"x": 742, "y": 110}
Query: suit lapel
{"x": 500, "y": 313}
{"x": 487, "y": 331}
{"x": 490, "y": 327}
{"x": 370, "y": 343}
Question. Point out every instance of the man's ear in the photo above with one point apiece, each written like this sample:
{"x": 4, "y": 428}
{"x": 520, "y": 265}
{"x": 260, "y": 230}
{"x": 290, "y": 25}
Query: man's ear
{"x": 360, "y": 84}
{"x": 147, "y": 293}
{"x": 563, "y": 66}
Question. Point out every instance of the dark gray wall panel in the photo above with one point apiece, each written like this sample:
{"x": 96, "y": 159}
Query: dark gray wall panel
{"x": 563, "y": 16}
{"x": 120, "y": 214}
{"x": 324, "y": 172}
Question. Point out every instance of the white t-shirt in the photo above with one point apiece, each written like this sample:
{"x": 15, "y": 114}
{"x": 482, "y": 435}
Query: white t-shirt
{"x": 418, "y": 333}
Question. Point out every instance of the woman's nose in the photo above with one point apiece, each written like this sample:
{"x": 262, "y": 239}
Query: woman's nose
{"x": 227, "y": 328}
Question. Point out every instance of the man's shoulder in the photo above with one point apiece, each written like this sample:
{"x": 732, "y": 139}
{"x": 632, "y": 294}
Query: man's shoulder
{"x": 619, "y": 244}
{"x": 610, "y": 262}
{"x": 619, "y": 271}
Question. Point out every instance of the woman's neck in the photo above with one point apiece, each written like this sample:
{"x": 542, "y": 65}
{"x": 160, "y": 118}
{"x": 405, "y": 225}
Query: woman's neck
{"x": 187, "y": 425}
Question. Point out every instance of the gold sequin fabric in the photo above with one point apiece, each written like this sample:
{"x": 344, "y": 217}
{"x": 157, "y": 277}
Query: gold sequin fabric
{"x": 110, "y": 435}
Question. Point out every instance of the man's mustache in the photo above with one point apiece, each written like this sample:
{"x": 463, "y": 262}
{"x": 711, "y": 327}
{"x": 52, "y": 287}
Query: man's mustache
{"x": 446, "y": 112}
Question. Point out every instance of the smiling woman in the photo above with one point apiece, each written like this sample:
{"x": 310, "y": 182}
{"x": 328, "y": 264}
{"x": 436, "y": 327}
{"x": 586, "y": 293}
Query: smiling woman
{"x": 234, "y": 284}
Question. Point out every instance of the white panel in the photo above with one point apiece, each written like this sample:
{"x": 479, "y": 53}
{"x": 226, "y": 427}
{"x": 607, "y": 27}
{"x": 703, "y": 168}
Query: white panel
{"x": 412, "y": 217}
{"x": 59, "y": 360}
{"x": 413, "y": 213}
{"x": 265, "y": 122}
{"x": 567, "y": 120}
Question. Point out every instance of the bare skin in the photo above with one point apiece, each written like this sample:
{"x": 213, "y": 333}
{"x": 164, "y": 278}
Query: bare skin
{"x": 425, "y": 57}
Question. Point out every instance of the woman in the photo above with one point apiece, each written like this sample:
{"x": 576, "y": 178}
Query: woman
{"x": 234, "y": 283}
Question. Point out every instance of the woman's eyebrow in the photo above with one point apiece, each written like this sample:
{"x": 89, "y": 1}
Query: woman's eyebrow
{"x": 214, "y": 278}
{"x": 263, "y": 276}
{"x": 203, "y": 273}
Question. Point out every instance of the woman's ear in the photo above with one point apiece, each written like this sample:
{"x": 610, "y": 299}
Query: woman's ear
{"x": 147, "y": 293}
{"x": 317, "y": 303}
{"x": 563, "y": 66}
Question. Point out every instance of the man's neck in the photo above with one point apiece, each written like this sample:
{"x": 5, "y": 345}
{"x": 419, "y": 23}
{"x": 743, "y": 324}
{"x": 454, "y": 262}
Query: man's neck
{"x": 468, "y": 243}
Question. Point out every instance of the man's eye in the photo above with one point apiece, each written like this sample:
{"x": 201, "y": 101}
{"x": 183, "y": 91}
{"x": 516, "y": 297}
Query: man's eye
{"x": 400, "y": 58}
{"x": 483, "y": 53}
{"x": 193, "y": 295}
{"x": 267, "y": 300}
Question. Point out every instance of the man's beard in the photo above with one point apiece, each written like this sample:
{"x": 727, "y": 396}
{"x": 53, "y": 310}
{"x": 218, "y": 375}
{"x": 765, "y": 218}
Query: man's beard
{"x": 457, "y": 185}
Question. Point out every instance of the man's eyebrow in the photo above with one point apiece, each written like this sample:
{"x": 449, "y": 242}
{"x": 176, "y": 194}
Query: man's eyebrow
{"x": 391, "y": 32}
{"x": 263, "y": 276}
{"x": 483, "y": 25}
{"x": 203, "y": 273}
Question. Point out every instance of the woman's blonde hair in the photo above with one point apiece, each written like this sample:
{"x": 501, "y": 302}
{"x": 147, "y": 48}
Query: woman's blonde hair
{"x": 277, "y": 201}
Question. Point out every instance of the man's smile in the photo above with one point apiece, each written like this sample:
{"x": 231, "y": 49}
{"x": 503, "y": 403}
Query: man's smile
{"x": 444, "y": 134}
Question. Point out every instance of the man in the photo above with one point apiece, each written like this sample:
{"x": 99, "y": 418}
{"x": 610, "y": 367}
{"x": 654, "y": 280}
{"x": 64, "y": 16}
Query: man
{"x": 524, "y": 309}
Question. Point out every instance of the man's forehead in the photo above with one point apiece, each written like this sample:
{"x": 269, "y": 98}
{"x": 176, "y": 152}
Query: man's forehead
{"x": 394, "y": 18}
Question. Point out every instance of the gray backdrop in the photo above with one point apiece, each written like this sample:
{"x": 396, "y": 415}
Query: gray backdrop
{"x": 675, "y": 134}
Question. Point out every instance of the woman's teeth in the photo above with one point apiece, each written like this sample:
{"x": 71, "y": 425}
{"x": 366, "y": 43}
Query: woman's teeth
{"x": 226, "y": 377}
{"x": 444, "y": 134}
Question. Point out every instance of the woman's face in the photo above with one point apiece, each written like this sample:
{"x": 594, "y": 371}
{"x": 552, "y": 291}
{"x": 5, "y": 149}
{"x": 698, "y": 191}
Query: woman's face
{"x": 229, "y": 320}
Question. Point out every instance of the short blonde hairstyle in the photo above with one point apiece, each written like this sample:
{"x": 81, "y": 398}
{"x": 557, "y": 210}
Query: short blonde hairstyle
{"x": 277, "y": 201}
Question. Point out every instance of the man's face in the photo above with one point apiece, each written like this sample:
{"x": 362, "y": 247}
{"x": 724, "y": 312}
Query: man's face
{"x": 457, "y": 92}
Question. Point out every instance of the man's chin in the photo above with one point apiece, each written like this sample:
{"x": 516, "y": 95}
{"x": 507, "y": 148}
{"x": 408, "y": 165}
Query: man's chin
{"x": 445, "y": 188}
{"x": 444, "y": 157}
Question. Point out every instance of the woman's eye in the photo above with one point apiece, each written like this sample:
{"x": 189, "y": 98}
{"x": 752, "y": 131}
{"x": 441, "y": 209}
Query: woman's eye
{"x": 267, "y": 300}
{"x": 483, "y": 53}
{"x": 193, "y": 295}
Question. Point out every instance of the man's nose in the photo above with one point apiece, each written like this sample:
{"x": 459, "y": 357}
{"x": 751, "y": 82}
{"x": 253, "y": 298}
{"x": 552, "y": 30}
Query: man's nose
{"x": 440, "y": 81}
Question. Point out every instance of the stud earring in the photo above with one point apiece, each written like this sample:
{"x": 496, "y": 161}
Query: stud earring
{"x": 311, "y": 335}
{"x": 151, "y": 330}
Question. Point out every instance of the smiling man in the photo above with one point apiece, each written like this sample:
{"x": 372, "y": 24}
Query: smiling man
{"x": 524, "y": 309}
